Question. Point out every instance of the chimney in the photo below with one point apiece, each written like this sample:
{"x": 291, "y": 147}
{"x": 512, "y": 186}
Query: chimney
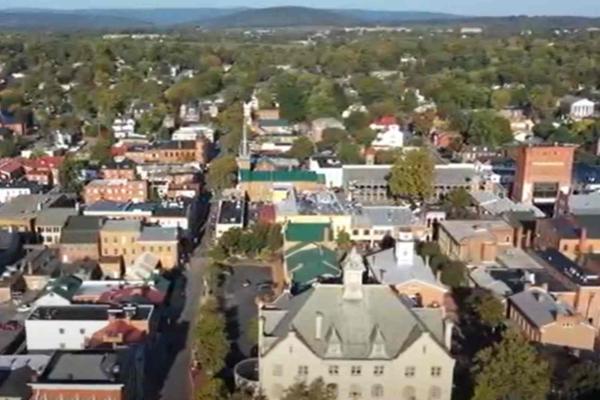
{"x": 318, "y": 326}
{"x": 449, "y": 326}
{"x": 582, "y": 239}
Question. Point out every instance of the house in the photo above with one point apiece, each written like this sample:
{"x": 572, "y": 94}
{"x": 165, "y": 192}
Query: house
{"x": 346, "y": 335}
{"x": 571, "y": 235}
{"x": 231, "y": 214}
{"x": 20, "y": 213}
{"x": 577, "y": 107}
{"x": 50, "y": 222}
{"x": 306, "y": 263}
{"x": 119, "y": 190}
{"x": 115, "y": 374}
{"x": 73, "y": 326}
{"x": 118, "y": 169}
{"x": 371, "y": 224}
{"x": 319, "y": 125}
{"x": 403, "y": 269}
{"x": 389, "y": 139}
{"x": 129, "y": 239}
{"x": 387, "y": 122}
{"x": 194, "y": 132}
{"x": 10, "y": 169}
{"x": 11, "y": 190}
{"x": 330, "y": 168}
{"x": 171, "y": 152}
{"x": 578, "y": 204}
{"x": 259, "y": 185}
{"x": 475, "y": 241}
{"x": 273, "y": 126}
{"x": 80, "y": 238}
{"x": 545, "y": 319}
{"x": 38, "y": 266}
{"x": 492, "y": 204}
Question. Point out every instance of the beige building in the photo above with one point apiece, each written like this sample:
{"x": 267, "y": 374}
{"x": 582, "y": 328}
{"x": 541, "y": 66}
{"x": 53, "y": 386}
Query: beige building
{"x": 475, "y": 241}
{"x": 545, "y": 319}
{"x": 50, "y": 222}
{"x": 129, "y": 239}
{"x": 364, "y": 340}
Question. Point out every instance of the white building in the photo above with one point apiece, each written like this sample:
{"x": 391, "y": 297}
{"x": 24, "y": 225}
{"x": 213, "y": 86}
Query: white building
{"x": 194, "y": 132}
{"x": 577, "y": 107}
{"x": 70, "y": 327}
{"x": 123, "y": 128}
{"x": 10, "y": 191}
{"x": 329, "y": 167}
{"x": 364, "y": 340}
{"x": 231, "y": 215}
{"x": 391, "y": 138}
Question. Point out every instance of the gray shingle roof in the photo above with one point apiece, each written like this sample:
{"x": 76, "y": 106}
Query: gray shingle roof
{"x": 54, "y": 216}
{"x": 158, "y": 234}
{"x": 539, "y": 307}
{"x": 354, "y": 321}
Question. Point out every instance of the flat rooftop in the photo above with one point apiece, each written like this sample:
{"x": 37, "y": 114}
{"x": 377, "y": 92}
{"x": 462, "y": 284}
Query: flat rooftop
{"x": 575, "y": 272}
{"x": 89, "y": 312}
{"x": 231, "y": 212}
{"x": 98, "y": 367}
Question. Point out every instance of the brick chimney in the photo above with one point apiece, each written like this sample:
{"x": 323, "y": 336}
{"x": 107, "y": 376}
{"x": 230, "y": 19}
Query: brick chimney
{"x": 582, "y": 239}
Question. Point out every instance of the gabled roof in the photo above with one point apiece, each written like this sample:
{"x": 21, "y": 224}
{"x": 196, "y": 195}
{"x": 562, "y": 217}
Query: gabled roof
{"x": 310, "y": 232}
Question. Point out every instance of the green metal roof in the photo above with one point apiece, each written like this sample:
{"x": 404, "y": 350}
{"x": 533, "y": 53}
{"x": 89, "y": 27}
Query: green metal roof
{"x": 65, "y": 286}
{"x": 296, "y": 175}
{"x": 308, "y": 232}
{"x": 311, "y": 262}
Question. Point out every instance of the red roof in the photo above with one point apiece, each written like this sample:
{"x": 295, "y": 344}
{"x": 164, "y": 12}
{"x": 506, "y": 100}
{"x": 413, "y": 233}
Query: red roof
{"x": 42, "y": 163}
{"x": 9, "y": 165}
{"x": 116, "y": 295}
{"x": 386, "y": 120}
{"x": 129, "y": 333}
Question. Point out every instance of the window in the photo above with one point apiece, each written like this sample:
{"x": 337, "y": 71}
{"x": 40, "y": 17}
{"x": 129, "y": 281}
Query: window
{"x": 436, "y": 371}
{"x": 409, "y": 372}
{"x": 63, "y": 346}
{"x": 378, "y": 370}
{"x": 355, "y": 392}
{"x": 61, "y": 331}
{"x": 355, "y": 232}
{"x": 82, "y": 331}
{"x": 303, "y": 370}
{"x": 277, "y": 370}
{"x": 334, "y": 370}
{"x": 435, "y": 393}
{"x": 409, "y": 393}
{"x": 377, "y": 391}
{"x": 355, "y": 370}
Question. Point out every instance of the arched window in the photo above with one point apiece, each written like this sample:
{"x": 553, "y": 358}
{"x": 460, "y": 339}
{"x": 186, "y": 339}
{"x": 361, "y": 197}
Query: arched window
{"x": 409, "y": 393}
{"x": 377, "y": 391}
{"x": 435, "y": 393}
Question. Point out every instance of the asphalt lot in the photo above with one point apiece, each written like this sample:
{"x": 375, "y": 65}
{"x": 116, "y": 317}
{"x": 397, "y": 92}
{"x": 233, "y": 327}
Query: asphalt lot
{"x": 240, "y": 292}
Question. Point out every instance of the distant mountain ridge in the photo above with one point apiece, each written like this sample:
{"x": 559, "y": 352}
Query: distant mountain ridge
{"x": 273, "y": 17}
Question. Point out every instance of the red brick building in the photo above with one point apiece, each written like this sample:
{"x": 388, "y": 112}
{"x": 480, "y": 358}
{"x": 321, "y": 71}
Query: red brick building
{"x": 542, "y": 172}
{"x": 171, "y": 152}
{"x": 118, "y": 190}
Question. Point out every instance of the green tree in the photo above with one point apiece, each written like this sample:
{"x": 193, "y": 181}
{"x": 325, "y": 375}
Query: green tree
{"x": 331, "y": 138}
{"x": 101, "y": 151}
{"x": 423, "y": 122}
{"x": 488, "y": 129}
{"x": 211, "y": 341}
{"x": 510, "y": 369}
{"x": 487, "y": 307}
{"x": 302, "y": 148}
{"x": 412, "y": 176}
{"x": 457, "y": 203}
{"x": 343, "y": 240}
{"x": 212, "y": 389}
{"x": 316, "y": 390}
{"x": 8, "y": 147}
{"x": 357, "y": 121}
{"x": 274, "y": 238}
{"x": 349, "y": 153}
{"x": 69, "y": 175}
{"x": 252, "y": 331}
{"x": 364, "y": 136}
{"x": 222, "y": 173}
{"x": 454, "y": 274}
{"x": 582, "y": 382}
{"x": 500, "y": 99}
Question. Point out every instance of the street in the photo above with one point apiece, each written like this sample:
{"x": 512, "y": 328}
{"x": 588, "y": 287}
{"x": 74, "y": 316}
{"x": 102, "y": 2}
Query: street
{"x": 172, "y": 361}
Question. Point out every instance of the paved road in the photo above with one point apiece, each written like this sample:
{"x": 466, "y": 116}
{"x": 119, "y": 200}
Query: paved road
{"x": 177, "y": 384}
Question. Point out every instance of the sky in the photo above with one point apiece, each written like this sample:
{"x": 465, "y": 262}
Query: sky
{"x": 464, "y": 7}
